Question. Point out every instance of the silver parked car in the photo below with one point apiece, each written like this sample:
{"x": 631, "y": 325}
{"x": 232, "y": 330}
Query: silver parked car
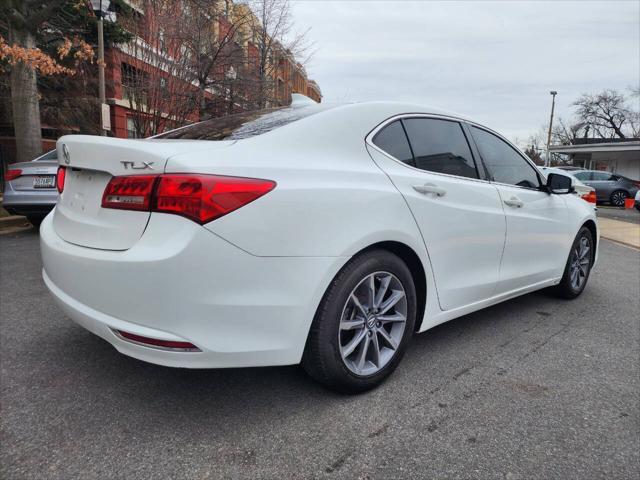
{"x": 30, "y": 187}
{"x": 610, "y": 187}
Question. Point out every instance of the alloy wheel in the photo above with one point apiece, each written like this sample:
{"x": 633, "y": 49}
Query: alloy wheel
{"x": 580, "y": 261}
{"x": 372, "y": 323}
{"x": 617, "y": 198}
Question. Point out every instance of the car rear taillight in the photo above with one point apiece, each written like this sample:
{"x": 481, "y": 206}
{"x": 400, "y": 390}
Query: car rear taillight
{"x": 590, "y": 197}
{"x": 129, "y": 193}
{"x": 60, "y": 175}
{"x": 201, "y": 198}
{"x": 154, "y": 342}
{"x": 12, "y": 174}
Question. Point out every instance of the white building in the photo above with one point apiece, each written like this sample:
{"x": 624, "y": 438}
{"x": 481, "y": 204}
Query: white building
{"x": 615, "y": 156}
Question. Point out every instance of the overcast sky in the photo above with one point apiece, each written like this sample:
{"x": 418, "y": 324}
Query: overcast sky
{"x": 493, "y": 61}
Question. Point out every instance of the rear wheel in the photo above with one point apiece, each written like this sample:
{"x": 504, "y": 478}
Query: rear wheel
{"x": 618, "y": 197}
{"x": 363, "y": 324}
{"x": 578, "y": 268}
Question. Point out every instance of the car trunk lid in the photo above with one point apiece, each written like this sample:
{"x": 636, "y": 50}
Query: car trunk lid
{"x": 91, "y": 162}
{"x": 35, "y": 175}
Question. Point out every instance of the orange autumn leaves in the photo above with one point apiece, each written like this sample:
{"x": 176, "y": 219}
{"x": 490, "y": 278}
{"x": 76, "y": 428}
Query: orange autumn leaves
{"x": 44, "y": 64}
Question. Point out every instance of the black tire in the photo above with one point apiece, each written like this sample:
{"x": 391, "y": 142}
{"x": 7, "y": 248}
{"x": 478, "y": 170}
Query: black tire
{"x": 566, "y": 288}
{"x": 617, "y": 198}
{"x": 35, "y": 220}
{"x": 322, "y": 358}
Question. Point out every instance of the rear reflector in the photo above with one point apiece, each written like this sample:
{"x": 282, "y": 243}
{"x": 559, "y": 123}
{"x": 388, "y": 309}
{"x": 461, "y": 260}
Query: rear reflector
{"x": 154, "y": 342}
{"x": 201, "y": 198}
{"x": 12, "y": 174}
{"x": 60, "y": 176}
{"x": 590, "y": 197}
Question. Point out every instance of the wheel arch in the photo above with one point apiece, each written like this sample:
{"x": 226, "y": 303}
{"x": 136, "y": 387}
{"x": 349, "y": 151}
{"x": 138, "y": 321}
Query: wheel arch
{"x": 418, "y": 273}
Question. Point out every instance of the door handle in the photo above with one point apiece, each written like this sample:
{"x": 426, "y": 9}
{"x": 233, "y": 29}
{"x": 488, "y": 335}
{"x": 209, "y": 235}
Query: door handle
{"x": 430, "y": 188}
{"x": 514, "y": 202}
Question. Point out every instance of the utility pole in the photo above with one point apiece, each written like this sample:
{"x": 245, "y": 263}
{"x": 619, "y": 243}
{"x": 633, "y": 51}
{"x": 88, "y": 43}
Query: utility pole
{"x": 547, "y": 161}
{"x": 100, "y": 7}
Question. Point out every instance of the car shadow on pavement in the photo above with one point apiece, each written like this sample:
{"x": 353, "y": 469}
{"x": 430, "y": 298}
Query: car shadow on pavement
{"x": 99, "y": 371}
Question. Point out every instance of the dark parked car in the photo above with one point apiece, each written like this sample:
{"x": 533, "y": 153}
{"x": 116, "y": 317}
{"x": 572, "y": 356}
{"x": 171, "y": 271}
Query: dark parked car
{"x": 610, "y": 187}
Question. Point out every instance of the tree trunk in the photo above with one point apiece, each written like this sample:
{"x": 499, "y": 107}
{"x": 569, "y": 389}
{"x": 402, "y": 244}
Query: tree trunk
{"x": 202, "y": 103}
{"x": 24, "y": 102}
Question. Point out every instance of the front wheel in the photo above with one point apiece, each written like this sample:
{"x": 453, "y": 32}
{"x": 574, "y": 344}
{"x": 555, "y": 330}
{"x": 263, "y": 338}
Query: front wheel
{"x": 578, "y": 267}
{"x": 363, "y": 324}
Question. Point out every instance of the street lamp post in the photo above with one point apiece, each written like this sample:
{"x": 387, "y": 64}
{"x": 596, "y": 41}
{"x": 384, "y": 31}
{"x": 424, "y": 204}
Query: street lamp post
{"x": 100, "y": 7}
{"x": 547, "y": 161}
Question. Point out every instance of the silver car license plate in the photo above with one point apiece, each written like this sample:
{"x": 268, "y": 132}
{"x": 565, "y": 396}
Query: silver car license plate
{"x": 44, "y": 181}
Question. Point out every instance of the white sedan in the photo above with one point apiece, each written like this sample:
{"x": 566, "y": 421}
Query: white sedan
{"x": 307, "y": 234}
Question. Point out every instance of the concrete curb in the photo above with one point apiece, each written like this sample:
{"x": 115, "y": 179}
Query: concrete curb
{"x": 13, "y": 221}
{"x": 620, "y": 232}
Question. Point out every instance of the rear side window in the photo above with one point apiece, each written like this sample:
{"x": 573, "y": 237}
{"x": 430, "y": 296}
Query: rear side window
{"x": 503, "y": 162}
{"x": 242, "y": 125}
{"x": 393, "y": 140}
{"x": 440, "y": 146}
{"x": 602, "y": 176}
{"x": 582, "y": 175}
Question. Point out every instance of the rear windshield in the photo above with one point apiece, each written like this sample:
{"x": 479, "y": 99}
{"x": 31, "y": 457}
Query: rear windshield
{"x": 241, "y": 125}
{"x": 50, "y": 155}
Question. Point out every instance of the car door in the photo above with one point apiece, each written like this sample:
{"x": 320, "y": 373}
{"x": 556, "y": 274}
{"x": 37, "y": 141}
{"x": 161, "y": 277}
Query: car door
{"x": 537, "y": 238}
{"x": 458, "y": 212}
{"x": 604, "y": 183}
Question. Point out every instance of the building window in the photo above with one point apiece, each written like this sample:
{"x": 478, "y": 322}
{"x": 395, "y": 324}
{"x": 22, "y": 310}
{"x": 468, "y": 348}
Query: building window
{"x": 161, "y": 41}
{"x": 132, "y": 132}
{"x": 134, "y": 84}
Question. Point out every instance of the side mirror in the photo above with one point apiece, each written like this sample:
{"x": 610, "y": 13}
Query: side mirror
{"x": 559, "y": 184}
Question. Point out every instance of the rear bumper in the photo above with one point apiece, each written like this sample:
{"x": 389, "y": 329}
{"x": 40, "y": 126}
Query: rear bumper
{"x": 27, "y": 202}
{"x": 181, "y": 282}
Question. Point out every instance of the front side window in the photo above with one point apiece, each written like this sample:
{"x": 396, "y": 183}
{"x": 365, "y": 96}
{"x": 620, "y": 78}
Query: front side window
{"x": 440, "y": 146}
{"x": 393, "y": 140}
{"x": 503, "y": 162}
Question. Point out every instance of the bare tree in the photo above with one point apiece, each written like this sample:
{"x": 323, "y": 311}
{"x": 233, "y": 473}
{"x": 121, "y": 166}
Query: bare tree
{"x": 275, "y": 41}
{"x": 158, "y": 82}
{"x": 606, "y": 112}
{"x": 210, "y": 34}
{"x": 566, "y": 133}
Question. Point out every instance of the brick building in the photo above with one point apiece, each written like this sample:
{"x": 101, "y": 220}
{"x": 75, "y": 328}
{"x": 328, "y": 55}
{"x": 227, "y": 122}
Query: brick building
{"x": 124, "y": 64}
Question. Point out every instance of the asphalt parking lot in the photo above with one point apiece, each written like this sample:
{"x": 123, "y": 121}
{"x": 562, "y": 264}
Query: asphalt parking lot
{"x": 536, "y": 387}
{"x": 630, "y": 215}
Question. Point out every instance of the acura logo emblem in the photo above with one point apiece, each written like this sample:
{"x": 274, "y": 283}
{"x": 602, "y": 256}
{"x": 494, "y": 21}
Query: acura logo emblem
{"x": 65, "y": 154}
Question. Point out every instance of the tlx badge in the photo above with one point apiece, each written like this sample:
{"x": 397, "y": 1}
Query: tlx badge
{"x": 134, "y": 166}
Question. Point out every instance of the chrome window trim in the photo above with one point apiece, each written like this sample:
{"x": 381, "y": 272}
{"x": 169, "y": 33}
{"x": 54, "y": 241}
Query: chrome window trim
{"x": 470, "y": 123}
{"x": 372, "y": 133}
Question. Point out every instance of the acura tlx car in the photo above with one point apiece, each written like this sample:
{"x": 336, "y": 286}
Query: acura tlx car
{"x": 306, "y": 234}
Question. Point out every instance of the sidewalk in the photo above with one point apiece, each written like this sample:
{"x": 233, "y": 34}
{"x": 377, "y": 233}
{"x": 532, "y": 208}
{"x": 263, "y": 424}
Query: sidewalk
{"x": 621, "y": 232}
